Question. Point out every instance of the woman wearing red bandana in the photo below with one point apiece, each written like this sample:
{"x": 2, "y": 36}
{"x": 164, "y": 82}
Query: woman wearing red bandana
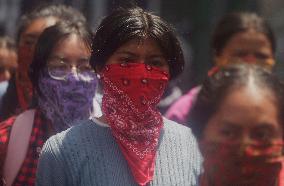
{"x": 135, "y": 54}
{"x": 238, "y": 121}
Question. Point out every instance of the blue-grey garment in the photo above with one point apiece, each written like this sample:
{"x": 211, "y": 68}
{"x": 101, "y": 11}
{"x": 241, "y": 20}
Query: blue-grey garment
{"x": 87, "y": 155}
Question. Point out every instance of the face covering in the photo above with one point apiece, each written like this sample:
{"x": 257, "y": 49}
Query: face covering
{"x": 241, "y": 164}
{"x": 25, "y": 57}
{"x": 131, "y": 93}
{"x": 23, "y": 84}
{"x": 65, "y": 102}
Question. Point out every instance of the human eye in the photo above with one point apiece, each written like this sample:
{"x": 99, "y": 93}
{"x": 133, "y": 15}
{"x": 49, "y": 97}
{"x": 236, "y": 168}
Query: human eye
{"x": 240, "y": 53}
{"x": 126, "y": 59}
{"x": 263, "y": 134}
{"x": 229, "y": 133}
{"x": 56, "y": 61}
{"x": 29, "y": 41}
{"x": 57, "y": 64}
{"x": 157, "y": 62}
{"x": 262, "y": 56}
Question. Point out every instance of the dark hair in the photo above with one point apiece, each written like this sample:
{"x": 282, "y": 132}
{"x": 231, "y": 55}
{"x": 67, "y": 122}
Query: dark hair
{"x": 239, "y": 22}
{"x": 48, "y": 40}
{"x": 230, "y": 78}
{"x": 62, "y": 12}
{"x": 126, "y": 24}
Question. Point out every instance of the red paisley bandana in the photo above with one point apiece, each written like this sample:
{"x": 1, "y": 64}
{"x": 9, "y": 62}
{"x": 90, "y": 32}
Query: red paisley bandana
{"x": 131, "y": 93}
{"x": 243, "y": 165}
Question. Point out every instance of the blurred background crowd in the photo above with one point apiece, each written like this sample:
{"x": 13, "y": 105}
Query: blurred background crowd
{"x": 194, "y": 21}
{"x": 62, "y": 66}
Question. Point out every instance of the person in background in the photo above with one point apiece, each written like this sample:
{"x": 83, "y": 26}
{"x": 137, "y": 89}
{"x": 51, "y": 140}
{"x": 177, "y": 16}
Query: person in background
{"x": 238, "y": 120}
{"x": 64, "y": 85}
{"x": 18, "y": 96}
{"x": 8, "y": 62}
{"x": 238, "y": 37}
{"x": 8, "y": 58}
{"x": 135, "y": 54}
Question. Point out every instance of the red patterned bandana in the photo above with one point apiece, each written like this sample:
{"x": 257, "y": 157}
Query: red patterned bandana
{"x": 243, "y": 165}
{"x": 25, "y": 93}
{"x": 131, "y": 93}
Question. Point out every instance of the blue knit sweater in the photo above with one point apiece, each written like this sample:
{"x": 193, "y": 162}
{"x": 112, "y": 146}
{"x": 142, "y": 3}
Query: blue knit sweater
{"x": 87, "y": 155}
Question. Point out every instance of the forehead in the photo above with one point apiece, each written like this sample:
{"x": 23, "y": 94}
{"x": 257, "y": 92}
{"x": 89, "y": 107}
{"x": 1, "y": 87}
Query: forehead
{"x": 146, "y": 46}
{"x": 248, "y": 39}
{"x": 248, "y": 107}
{"x": 36, "y": 27}
{"x": 72, "y": 45}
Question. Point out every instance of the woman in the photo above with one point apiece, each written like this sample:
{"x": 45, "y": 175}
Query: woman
{"x": 18, "y": 96}
{"x": 8, "y": 58}
{"x": 135, "y": 54}
{"x": 64, "y": 86}
{"x": 238, "y": 121}
{"x": 8, "y": 62}
{"x": 238, "y": 37}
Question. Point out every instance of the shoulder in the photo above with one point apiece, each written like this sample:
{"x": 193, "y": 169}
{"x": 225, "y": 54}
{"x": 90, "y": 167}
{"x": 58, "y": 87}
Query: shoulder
{"x": 181, "y": 136}
{"x": 178, "y": 130}
{"x": 170, "y": 125}
{"x": 5, "y": 129}
{"x": 84, "y": 133}
{"x": 70, "y": 149}
{"x": 6, "y": 126}
{"x": 180, "y": 141}
{"x": 83, "y": 129}
{"x": 191, "y": 94}
{"x": 182, "y": 106}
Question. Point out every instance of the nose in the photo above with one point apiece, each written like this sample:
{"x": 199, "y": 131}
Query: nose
{"x": 244, "y": 143}
{"x": 245, "y": 139}
{"x": 74, "y": 72}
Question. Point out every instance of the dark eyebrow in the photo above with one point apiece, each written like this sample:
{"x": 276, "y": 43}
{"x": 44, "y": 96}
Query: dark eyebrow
{"x": 56, "y": 57}
{"x": 157, "y": 56}
{"x": 126, "y": 53}
{"x": 85, "y": 59}
{"x": 230, "y": 124}
{"x": 264, "y": 126}
{"x": 31, "y": 35}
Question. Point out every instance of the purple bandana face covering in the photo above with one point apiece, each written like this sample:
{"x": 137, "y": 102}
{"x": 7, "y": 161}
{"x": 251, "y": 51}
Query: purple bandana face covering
{"x": 65, "y": 102}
